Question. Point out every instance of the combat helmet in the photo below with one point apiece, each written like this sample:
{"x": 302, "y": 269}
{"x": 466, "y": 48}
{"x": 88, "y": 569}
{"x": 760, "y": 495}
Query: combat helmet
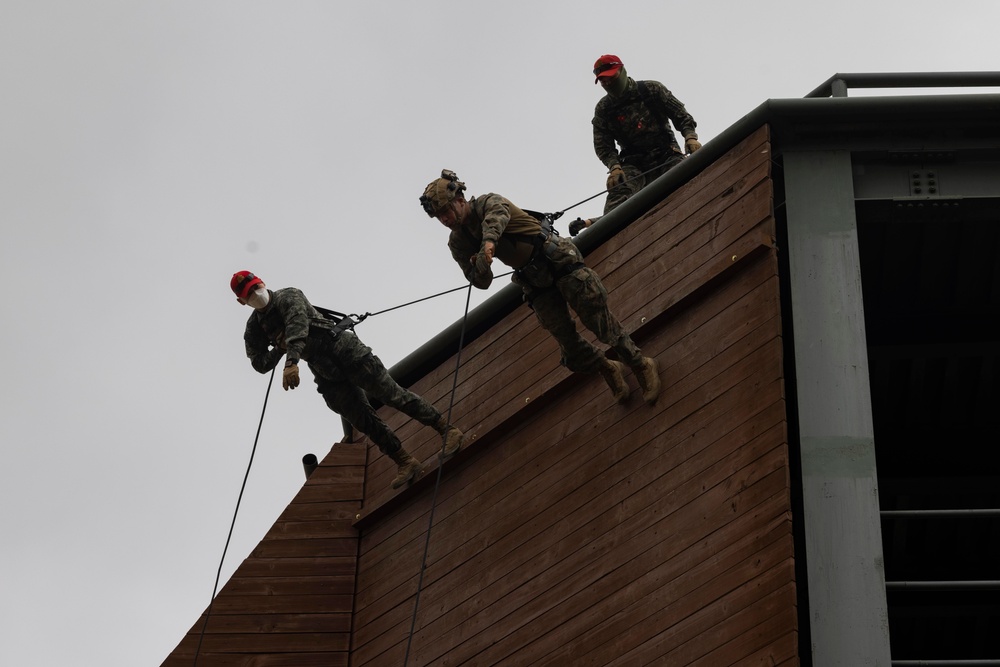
{"x": 440, "y": 192}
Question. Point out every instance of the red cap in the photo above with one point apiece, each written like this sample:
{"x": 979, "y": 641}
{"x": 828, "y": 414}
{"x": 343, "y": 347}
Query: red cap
{"x": 242, "y": 282}
{"x": 606, "y": 65}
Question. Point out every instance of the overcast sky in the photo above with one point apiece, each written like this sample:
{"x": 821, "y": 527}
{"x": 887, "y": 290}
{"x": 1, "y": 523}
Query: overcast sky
{"x": 148, "y": 150}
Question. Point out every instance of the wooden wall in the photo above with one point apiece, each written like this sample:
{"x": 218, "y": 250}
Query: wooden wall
{"x": 289, "y": 604}
{"x": 576, "y": 531}
{"x": 570, "y": 530}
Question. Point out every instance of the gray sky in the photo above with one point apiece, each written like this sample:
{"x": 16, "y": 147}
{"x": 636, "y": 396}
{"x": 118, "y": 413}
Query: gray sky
{"x": 148, "y": 150}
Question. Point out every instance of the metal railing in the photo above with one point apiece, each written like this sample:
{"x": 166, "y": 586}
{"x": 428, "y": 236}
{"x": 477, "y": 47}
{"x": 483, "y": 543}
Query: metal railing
{"x": 838, "y": 84}
{"x": 982, "y": 585}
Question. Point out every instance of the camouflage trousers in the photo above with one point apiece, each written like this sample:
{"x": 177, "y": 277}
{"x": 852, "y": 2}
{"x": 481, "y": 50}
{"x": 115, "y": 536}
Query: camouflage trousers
{"x": 346, "y": 373}
{"x": 640, "y": 172}
{"x": 557, "y": 281}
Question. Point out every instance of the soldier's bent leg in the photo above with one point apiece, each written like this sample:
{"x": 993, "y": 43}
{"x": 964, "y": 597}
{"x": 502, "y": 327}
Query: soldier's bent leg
{"x": 553, "y": 314}
{"x": 351, "y": 403}
{"x": 585, "y": 293}
{"x": 367, "y": 371}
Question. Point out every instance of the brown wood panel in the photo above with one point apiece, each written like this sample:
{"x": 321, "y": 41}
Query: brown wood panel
{"x": 319, "y": 511}
{"x": 506, "y": 336}
{"x": 298, "y": 567}
{"x": 311, "y": 659}
{"x": 659, "y": 244}
{"x": 596, "y": 512}
{"x": 565, "y": 424}
{"x": 248, "y": 623}
{"x": 281, "y": 604}
{"x": 685, "y": 641}
{"x": 298, "y": 548}
{"x": 292, "y": 585}
{"x": 520, "y": 542}
{"x": 758, "y": 644}
{"x": 558, "y": 648}
{"x": 694, "y": 204}
{"x": 690, "y": 641}
{"x": 291, "y": 601}
{"x": 538, "y": 376}
{"x": 266, "y": 643}
{"x": 607, "y": 576}
{"x": 486, "y": 501}
{"x": 639, "y": 610}
{"x": 581, "y": 418}
{"x": 552, "y": 578}
{"x": 339, "y": 527}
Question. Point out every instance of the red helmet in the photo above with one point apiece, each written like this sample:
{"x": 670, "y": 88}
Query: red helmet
{"x": 243, "y": 282}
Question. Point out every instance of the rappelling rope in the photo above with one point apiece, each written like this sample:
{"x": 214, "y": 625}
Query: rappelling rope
{"x": 437, "y": 483}
{"x": 595, "y": 196}
{"x": 360, "y": 318}
{"x": 232, "y": 525}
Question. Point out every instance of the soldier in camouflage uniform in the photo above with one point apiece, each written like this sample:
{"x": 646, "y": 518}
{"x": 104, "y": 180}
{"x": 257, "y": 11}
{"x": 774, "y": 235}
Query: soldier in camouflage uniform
{"x": 550, "y": 271}
{"x": 636, "y": 115}
{"x": 285, "y": 324}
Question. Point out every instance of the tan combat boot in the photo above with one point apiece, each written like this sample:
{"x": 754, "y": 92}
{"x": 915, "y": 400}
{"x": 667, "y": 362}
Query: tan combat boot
{"x": 409, "y": 468}
{"x": 648, "y": 375}
{"x": 611, "y": 371}
{"x": 452, "y": 439}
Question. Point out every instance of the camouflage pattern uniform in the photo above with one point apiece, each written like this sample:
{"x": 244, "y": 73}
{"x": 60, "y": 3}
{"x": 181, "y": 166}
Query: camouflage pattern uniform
{"x": 639, "y": 125}
{"x": 553, "y": 278}
{"x": 343, "y": 367}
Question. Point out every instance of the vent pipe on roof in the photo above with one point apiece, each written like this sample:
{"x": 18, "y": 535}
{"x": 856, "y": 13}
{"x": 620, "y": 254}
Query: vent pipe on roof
{"x": 309, "y": 464}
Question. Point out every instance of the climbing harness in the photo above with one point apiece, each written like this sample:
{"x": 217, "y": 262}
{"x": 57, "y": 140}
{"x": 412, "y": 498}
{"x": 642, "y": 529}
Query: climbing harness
{"x": 334, "y": 323}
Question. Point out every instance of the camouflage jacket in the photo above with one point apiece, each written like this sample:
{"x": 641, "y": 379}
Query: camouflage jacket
{"x": 639, "y": 129}
{"x": 281, "y": 328}
{"x": 493, "y": 218}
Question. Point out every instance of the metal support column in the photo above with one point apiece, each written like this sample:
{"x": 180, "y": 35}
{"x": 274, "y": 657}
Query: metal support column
{"x": 848, "y": 613}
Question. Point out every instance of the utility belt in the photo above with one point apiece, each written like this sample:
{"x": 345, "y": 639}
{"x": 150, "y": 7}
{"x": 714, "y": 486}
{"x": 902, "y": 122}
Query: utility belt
{"x": 552, "y": 259}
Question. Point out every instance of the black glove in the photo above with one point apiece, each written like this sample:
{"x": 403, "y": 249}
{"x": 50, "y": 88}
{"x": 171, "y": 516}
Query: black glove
{"x": 578, "y": 226}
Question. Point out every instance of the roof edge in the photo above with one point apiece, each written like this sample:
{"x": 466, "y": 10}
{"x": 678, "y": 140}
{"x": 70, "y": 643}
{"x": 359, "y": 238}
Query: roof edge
{"x": 787, "y": 118}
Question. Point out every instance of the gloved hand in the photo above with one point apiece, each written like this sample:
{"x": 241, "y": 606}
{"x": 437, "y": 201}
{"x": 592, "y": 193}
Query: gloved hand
{"x": 691, "y": 145}
{"x": 482, "y": 276}
{"x": 616, "y": 176}
{"x": 279, "y": 340}
{"x": 578, "y": 226}
{"x": 482, "y": 264}
{"x": 290, "y": 377}
{"x": 488, "y": 249}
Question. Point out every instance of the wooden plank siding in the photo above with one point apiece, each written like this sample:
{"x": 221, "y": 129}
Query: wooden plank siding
{"x": 290, "y": 603}
{"x": 576, "y": 531}
{"x": 570, "y": 530}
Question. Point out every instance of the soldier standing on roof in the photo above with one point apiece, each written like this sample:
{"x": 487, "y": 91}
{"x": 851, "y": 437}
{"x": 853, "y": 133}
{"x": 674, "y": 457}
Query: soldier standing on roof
{"x": 550, "y": 271}
{"x": 285, "y": 324}
{"x": 637, "y": 116}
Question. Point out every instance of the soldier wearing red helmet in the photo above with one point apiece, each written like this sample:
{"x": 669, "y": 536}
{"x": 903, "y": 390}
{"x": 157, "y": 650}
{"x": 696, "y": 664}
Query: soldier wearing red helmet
{"x": 633, "y": 136}
{"x": 285, "y": 324}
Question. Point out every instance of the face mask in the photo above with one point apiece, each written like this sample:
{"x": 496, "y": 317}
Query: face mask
{"x": 259, "y": 299}
{"x": 618, "y": 83}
